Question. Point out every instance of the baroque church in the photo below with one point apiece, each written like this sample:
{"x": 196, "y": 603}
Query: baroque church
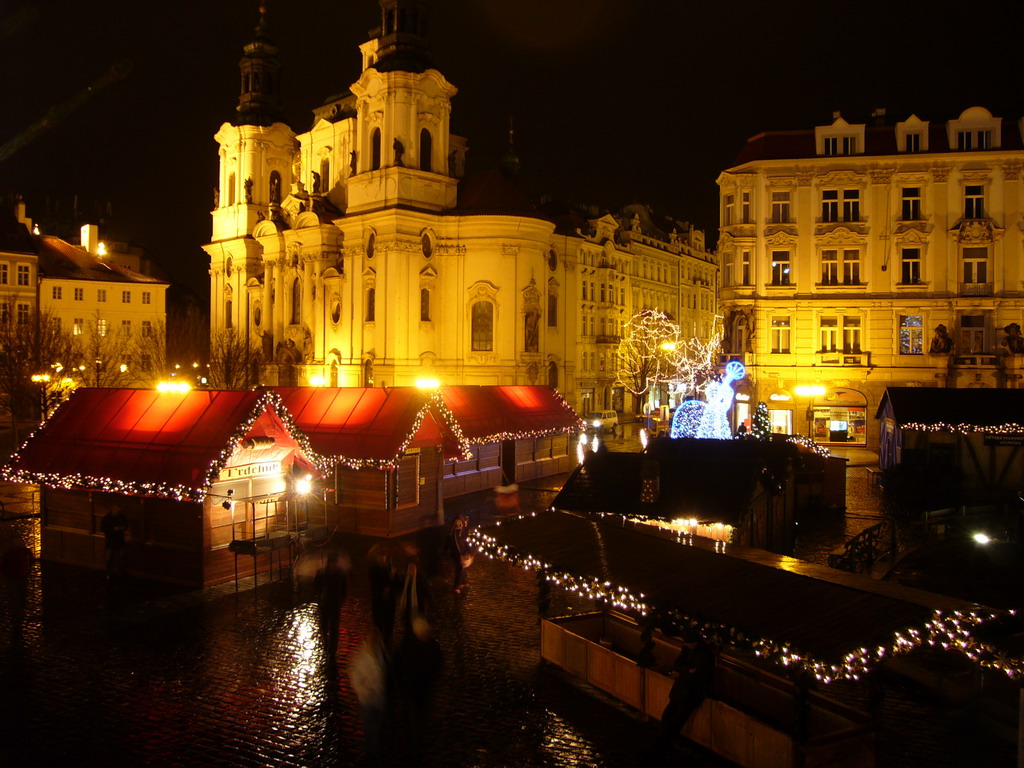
{"x": 359, "y": 253}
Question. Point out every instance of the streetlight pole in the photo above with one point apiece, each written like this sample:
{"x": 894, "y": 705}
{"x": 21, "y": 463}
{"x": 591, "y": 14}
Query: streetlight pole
{"x": 810, "y": 391}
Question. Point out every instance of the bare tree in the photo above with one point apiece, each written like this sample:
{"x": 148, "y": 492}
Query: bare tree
{"x": 647, "y": 352}
{"x": 31, "y": 346}
{"x": 695, "y": 363}
{"x": 103, "y": 355}
{"x": 235, "y": 363}
{"x": 177, "y": 348}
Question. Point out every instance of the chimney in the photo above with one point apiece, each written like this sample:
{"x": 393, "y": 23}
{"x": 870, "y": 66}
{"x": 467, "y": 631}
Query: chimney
{"x": 90, "y": 238}
{"x": 835, "y": 115}
{"x": 19, "y": 214}
{"x": 878, "y": 116}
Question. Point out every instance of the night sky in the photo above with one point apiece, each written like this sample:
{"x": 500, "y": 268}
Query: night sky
{"x": 614, "y": 101}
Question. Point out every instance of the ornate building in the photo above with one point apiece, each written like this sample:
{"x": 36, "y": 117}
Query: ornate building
{"x": 858, "y": 256}
{"x": 358, "y": 253}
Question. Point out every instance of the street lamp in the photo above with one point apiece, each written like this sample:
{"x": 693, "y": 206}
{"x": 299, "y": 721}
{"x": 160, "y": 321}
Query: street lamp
{"x": 810, "y": 391}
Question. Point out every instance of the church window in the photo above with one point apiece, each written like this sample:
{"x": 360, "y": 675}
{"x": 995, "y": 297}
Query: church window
{"x": 325, "y": 175}
{"x": 296, "y": 301}
{"x": 424, "y": 305}
{"x": 552, "y": 374}
{"x": 426, "y": 147}
{"x": 231, "y": 189}
{"x": 228, "y": 321}
{"x": 375, "y": 150}
{"x": 552, "y": 310}
{"x": 336, "y": 312}
{"x": 368, "y": 373}
{"x": 483, "y": 326}
{"x": 371, "y": 305}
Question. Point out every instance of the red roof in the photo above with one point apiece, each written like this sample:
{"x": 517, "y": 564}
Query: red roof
{"x": 145, "y": 442}
{"x": 359, "y": 425}
{"x": 489, "y": 414}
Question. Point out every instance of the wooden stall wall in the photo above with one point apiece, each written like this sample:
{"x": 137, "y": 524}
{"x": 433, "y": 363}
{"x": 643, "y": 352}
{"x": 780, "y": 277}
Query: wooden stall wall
{"x": 543, "y": 457}
{"x": 164, "y": 539}
{"x": 359, "y": 503}
{"x": 481, "y": 472}
{"x": 416, "y": 492}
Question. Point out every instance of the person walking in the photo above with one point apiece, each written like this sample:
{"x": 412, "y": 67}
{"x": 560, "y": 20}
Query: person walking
{"x": 331, "y": 586}
{"x": 457, "y": 549}
{"x": 381, "y": 574}
{"x": 418, "y": 663}
{"x": 114, "y": 527}
{"x": 368, "y": 674}
{"x": 694, "y": 671}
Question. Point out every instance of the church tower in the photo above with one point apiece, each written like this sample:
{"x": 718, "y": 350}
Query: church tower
{"x": 256, "y": 153}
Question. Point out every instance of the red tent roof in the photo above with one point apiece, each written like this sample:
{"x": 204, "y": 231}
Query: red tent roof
{"x": 148, "y": 443}
{"x": 357, "y": 426}
{"x": 489, "y": 414}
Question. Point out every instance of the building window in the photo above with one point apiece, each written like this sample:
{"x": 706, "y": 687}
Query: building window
{"x": 830, "y": 205}
{"x": 101, "y": 295}
{"x": 56, "y": 293}
{"x": 79, "y": 294}
{"x": 910, "y": 266}
{"x": 911, "y": 207}
{"x": 780, "y": 268}
{"x": 728, "y": 204}
{"x": 976, "y": 265}
{"x": 5, "y": 313}
{"x": 828, "y": 332}
{"x": 851, "y": 335}
{"x": 375, "y": 150}
{"x": 126, "y": 297}
{"x": 552, "y": 310}
{"x": 745, "y": 217}
{"x": 851, "y": 205}
{"x": 101, "y": 327}
{"x": 780, "y": 207}
{"x": 911, "y": 335}
{"x": 912, "y": 142}
{"x": 147, "y": 328}
{"x": 426, "y": 148}
{"x": 229, "y": 315}
{"x": 126, "y": 327}
{"x": 23, "y": 313}
{"x": 830, "y": 199}
{"x": 972, "y": 334}
{"x": 3, "y": 274}
{"x": 424, "y": 305}
{"x": 780, "y": 335}
{"x": 746, "y": 278}
{"x": 974, "y": 201}
{"x": 482, "y": 326}
{"x": 77, "y": 326}
{"x": 851, "y": 267}
{"x": 371, "y": 305}
{"x": 830, "y": 267}
{"x": 840, "y": 145}
{"x": 147, "y": 297}
{"x": 968, "y": 140}
{"x": 23, "y": 274}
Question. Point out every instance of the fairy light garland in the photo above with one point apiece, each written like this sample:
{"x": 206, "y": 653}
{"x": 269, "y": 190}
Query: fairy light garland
{"x": 805, "y": 442}
{"x": 948, "y": 630}
{"x": 1010, "y": 428}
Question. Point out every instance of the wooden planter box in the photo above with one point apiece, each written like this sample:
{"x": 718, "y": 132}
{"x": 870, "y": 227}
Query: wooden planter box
{"x": 751, "y": 716}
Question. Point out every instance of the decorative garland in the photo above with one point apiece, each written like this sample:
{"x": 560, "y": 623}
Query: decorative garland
{"x": 1012, "y": 428}
{"x": 805, "y": 442}
{"x": 951, "y": 631}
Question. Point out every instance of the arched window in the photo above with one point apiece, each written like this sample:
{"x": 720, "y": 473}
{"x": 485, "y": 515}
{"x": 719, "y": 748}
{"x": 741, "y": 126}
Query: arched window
{"x": 231, "y": 189}
{"x": 275, "y": 187}
{"x": 424, "y": 305}
{"x": 426, "y": 147}
{"x": 296, "y": 301}
{"x": 375, "y": 150}
{"x": 483, "y": 326}
{"x": 371, "y": 305}
{"x": 368, "y": 373}
{"x": 552, "y": 374}
{"x": 325, "y": 175}
{"x": 228, "y": 306}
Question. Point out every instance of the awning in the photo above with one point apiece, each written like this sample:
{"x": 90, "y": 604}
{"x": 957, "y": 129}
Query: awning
{"x": 491, "y": 414}
{"x": 367, "y": 426}
{"x": 835, "y": 625}
{"x": 149, "y": 443}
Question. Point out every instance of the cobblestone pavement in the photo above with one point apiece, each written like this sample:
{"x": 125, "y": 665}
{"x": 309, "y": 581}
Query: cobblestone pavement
{"x": 143, "y": 674}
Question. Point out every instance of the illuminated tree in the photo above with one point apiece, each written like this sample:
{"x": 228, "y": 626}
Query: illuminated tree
{"x": 695, "y": 363}
{"x": 761, "y": 427}
{"x": 235, "y": 363}
{"x": 647, "y": 352}
{"x": 30, "y": 346}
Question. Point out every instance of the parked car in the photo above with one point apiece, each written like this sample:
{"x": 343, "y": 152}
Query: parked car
{"x": 602, "y": 421}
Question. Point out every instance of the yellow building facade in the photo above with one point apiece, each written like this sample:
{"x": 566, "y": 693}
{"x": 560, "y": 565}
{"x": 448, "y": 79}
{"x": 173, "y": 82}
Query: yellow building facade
{"x": 859, "y": 256}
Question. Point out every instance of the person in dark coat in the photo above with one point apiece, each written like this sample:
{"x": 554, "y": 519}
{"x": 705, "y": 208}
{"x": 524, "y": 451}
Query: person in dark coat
{"x": 383, "y": 593}
{"x": 331, "y": 585}
{"x": 418, "y": 663}
{"x": 457, "y": 547}
{"x": 694, "y": 672}
{"x": 114, "y": 525}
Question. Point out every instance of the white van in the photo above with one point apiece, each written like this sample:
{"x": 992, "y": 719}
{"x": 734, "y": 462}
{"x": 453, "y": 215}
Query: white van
{"x": 602, "y": 421}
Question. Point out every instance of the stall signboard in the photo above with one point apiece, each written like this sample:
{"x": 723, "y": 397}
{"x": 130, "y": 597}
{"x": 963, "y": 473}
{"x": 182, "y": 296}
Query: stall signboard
{"x": 244, "y": 471}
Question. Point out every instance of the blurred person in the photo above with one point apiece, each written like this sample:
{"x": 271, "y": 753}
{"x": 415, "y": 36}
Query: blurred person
{"x": 383, "y": 589}
{"x": 457, "y": 550}
{"x": 368, "y": 674}
{"x": 114, "y": 526}
{"x": 331, "y": 587}
{"x": 418, "y": 663}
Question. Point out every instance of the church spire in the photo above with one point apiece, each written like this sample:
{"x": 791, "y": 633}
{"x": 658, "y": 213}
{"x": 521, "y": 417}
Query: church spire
{"x": 509, "y": 164}
{"x": 403, "y": 44}
{"x": 260, "y": 99}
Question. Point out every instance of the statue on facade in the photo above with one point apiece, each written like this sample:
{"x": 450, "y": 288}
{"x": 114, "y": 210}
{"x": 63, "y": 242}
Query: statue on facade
{"x": 1013, "y": 342}
{"x": 275, "y": 188}
{"x": 399, "y": 148}
{"x": 531, "y": 329}
{"x": 942, "y": 344}
{"x": 316, "y": 183}
{"x": 216, "y": 197}
{"x": 352, "y": 162}
{"x": 248, "y": 190}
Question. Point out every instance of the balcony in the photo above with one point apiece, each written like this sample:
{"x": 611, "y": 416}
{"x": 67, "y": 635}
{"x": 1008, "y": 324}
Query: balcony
{"x": 975, "y": 289}
{"x": 605, "y": 339}
{"x": 840, "y": 358}
{"x": 977, "y": 360}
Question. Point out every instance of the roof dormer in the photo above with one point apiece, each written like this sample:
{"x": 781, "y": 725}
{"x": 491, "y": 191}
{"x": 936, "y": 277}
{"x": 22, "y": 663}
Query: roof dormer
{"x": 975, "y": 129}
{"x": 912, "y": 135}
{"x": 839, "y": 139}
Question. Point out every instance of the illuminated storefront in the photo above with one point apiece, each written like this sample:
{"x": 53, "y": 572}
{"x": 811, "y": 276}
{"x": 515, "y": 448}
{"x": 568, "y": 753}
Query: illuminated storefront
{"x": 840, "y": 417}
